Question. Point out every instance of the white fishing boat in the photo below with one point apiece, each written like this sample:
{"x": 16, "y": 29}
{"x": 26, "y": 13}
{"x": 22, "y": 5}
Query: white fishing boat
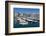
{"x": 24, "y": 23}
{"x": 21, "y": 21}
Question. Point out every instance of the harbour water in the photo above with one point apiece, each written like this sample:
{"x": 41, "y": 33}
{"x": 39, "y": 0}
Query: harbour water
{"x": 29, "y": 24}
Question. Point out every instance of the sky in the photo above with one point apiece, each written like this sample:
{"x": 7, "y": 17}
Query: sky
{"x": 26, "y": 10}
